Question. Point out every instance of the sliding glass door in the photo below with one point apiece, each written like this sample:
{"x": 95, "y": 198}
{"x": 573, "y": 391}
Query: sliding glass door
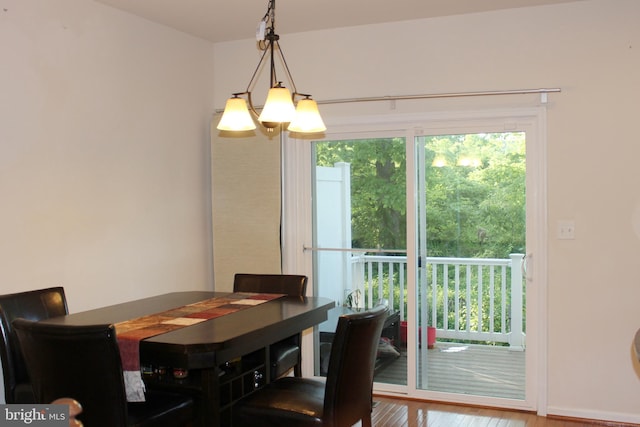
{"x": 431, "y": 220}
{"x": 359, "y": 226}
{"x": 471, "y": 229}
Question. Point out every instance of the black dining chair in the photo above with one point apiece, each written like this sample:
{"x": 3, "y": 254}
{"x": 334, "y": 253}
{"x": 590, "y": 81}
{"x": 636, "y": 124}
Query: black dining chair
{"x": 285, "y": 354}
{"x": 83, "y": 363}
{"x": 33, "y": 305}
{"x": 341, "y": 401}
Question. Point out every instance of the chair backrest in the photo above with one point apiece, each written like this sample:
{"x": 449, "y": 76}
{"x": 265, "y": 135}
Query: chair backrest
{"x": 349, "y": 384}
{"x": 82, "y": 362}
{"x": 289, "y": 284}
{"x": 33, "y": 305}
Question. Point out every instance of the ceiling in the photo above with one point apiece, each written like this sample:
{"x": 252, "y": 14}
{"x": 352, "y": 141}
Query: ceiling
{"x": 218, "y": 20}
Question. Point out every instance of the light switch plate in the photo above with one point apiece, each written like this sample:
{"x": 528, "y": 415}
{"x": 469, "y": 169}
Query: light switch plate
{"x": 566, "y": 230}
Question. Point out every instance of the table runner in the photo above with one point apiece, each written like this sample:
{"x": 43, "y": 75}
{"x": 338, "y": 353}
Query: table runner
{"x": 130, "y": 332}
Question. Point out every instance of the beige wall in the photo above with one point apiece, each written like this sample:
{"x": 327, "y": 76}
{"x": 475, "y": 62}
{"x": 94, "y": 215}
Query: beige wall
{"x": 104, "y": 153}
{"x": 589, "y": 49}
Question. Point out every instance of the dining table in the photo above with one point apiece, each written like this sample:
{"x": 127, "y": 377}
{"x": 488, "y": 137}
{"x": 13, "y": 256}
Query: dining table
{"x": 218, "y": 360}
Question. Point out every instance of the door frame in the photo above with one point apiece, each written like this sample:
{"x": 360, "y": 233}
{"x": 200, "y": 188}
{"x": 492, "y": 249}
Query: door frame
{"x": 297, "y": 236}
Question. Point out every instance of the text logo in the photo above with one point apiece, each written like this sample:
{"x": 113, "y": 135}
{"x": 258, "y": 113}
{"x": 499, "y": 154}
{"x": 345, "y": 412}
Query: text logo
{"x": 34, "y": 415}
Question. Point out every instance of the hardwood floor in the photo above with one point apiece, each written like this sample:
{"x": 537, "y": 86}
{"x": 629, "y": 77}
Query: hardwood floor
{"x": 472, "y": 369}
{"x": 392, "y": 412}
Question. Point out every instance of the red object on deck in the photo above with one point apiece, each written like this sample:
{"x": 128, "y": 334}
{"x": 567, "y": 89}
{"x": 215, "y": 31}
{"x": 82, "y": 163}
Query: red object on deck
{"x": 431, "y": 335}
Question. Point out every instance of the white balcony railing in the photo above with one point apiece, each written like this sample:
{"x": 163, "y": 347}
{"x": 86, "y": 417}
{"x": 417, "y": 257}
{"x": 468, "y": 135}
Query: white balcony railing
{"x": 466, "y": 299}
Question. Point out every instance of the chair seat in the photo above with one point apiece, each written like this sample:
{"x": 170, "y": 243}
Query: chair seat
{"x": 290, "y": 401}
{"x": 154, "y": 411}
{"x": 284, "y": 355}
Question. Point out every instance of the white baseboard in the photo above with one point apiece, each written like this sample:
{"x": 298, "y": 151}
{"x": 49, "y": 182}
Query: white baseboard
{"x": 593, "y": 415}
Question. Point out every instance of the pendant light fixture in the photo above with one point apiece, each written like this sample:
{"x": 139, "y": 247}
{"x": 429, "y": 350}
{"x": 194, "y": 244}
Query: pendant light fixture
{"x": 280, "y": 107}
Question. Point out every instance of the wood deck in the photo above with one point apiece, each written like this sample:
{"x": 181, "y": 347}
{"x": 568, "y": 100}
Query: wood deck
{"x": 465, "y": 369}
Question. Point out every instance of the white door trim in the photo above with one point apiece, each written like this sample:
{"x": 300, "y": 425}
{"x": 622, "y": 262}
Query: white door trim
{"x": 297, "y": 223}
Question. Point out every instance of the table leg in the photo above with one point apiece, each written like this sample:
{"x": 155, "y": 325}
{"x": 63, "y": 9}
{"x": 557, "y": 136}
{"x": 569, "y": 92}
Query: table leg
{"x": 210, "y": 401}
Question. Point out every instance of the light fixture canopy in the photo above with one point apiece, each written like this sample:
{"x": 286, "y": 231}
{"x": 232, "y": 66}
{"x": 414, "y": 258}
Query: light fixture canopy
{"x": 279, "y": 109}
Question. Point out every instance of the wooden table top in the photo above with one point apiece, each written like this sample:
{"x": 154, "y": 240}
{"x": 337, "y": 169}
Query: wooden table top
{"x": 212, "y": 342}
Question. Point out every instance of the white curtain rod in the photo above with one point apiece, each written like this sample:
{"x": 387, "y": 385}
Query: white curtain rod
{"x": 543, "y": 92}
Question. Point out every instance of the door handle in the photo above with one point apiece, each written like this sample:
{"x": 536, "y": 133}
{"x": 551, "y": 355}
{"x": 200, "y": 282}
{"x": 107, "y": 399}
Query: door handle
{"x": 524, "y": 267}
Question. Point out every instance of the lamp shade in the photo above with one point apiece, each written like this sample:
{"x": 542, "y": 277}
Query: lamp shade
{"x": 278, "y": 108}
{"x": 236, "y": 116}
{"x": 307, "y": 118}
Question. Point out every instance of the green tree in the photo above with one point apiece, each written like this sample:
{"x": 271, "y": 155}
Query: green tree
{"x": 378, "y": 204}
{"x": 475, "y": 192}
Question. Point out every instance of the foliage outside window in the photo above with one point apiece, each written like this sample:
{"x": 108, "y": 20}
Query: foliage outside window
{"x": 475, "y": 205}
{"x": 475, "y": 192}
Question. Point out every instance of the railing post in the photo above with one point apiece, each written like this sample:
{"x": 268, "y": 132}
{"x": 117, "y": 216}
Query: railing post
{"x": 357, "y": 277}
{"x": 516, "y": 337}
